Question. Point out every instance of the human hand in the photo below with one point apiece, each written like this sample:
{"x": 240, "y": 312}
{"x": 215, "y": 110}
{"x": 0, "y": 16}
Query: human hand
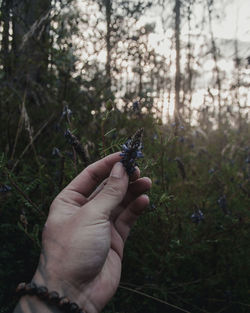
{"x": 84, "y": 236}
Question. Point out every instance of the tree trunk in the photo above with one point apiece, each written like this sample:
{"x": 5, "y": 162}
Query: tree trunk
{"x": 177, "y": 63}
{"x": 108, "y": 11}
{"x": 5, "y": 9}
{"x": 31, "y": 39}
{"x": 140, "y": 75}
{"x": 189, "y": 66}
{"x": 215, "y": 58}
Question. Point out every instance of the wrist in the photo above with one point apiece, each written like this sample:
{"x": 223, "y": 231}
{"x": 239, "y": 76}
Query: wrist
{"x": 65, "y": 289}
{"x": 30, "y": 304}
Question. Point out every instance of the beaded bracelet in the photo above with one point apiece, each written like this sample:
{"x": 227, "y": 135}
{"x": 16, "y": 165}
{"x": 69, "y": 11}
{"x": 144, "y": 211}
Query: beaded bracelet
{"x": 63, "y": 303}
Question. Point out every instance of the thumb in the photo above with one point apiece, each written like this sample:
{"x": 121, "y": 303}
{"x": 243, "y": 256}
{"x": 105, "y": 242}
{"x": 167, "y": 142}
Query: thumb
{"x": 113, "y": 191}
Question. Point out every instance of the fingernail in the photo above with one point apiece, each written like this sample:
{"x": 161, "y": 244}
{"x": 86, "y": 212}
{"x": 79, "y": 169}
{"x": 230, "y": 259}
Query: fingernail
{"x": 117, "y": 170}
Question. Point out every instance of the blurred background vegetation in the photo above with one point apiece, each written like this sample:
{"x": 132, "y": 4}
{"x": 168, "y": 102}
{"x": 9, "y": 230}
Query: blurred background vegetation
{"x": 77, "y": 78}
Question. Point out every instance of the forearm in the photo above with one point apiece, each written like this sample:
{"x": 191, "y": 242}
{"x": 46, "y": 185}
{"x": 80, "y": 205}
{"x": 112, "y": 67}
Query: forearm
{"x": 32, "y": 304}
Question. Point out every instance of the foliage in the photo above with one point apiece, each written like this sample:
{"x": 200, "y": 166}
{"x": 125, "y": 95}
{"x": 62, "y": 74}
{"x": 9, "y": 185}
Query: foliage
{"x": 191, "y": 247}
{"x": 197, "y": 266}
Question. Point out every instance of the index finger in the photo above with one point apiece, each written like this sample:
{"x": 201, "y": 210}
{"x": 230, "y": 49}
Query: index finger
{"x": 86, "y": 182}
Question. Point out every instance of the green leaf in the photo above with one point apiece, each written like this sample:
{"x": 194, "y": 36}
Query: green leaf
{"x": 110, "y": 132}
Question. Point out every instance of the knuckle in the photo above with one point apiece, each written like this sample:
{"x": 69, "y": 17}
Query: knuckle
{"x": 90, "y": 170}
{"x": 114, "y": 190}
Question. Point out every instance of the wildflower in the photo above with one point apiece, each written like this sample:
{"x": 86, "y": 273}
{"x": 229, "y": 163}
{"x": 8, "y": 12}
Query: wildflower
{"x": 5, "y": 188}
{"x": 131, "y": 151}
{"x": 223, "y": 205}
{"x": 197, "y": 217}
{"x": 222, "y": 202}
{"x": 68, "y": 135}
{"x": 152, "y": 206}
{"x": 56, "y": 152}
{"x": 247, "y": 160}
{"x": 211, "y": 171}
{"x": 73, "y": 141}
{"x": 66, "y": 111}
{"x": 136, "y": 106}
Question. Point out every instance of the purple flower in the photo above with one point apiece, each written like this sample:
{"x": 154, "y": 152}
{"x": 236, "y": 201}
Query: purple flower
{"x": 72, "y": 140}
{"x": 136, "y": 106}
{"x": 66, "y": 111}
{"x": 69, "y": 136}
{"x": 131, "y": 151}
{"x": 197, "y": 217}
{"x": 152, "y": 207}
{"x": 5, "y": 188}
{"x": 155, "y": 137}
{"x": 55, "y": 152}
{"x": 222, "y": 201}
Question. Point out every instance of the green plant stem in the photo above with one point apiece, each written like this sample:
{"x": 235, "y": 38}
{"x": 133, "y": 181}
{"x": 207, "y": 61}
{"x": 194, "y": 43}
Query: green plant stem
{"x": 103, "y": 135}
{"x": 32, "y": 141}
{"x": 19, "y": 127}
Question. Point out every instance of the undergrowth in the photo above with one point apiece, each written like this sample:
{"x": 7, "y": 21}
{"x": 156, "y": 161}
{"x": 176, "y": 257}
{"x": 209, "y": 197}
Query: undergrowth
{"x": 190, "y": 250}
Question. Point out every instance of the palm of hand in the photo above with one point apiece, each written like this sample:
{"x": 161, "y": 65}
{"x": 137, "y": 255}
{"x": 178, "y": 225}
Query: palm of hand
{"x": 96, "y": 262}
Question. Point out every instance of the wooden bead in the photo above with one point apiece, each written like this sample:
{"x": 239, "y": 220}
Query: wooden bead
{"x": 54, "y": 296}
{"x": 31, "y": 288}
{"x": 42, "y": 292}
{"x": 74, "y": 308}
{"x": 21, "y": 287}
{"x": 64, "y": 301}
